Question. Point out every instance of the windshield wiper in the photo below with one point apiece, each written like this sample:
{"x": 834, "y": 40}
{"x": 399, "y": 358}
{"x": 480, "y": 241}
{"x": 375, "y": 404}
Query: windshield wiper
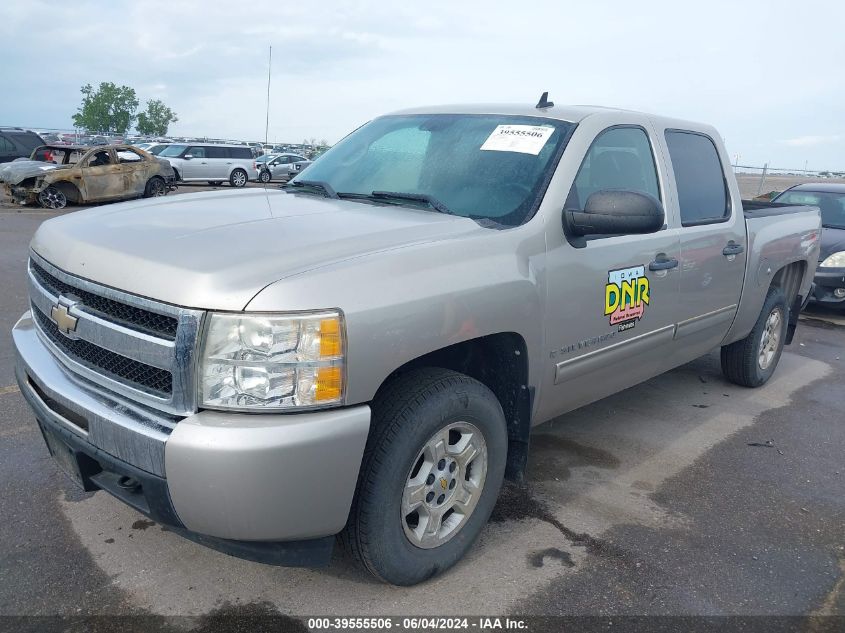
{"x": 327, "y": 190}
{"x": 431, "y": 201}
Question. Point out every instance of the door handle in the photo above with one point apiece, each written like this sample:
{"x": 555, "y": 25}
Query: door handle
{"x": 732, "y": 249}
{"x": 662, "y": 262}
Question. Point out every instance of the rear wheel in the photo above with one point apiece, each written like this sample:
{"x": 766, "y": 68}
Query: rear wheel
{"x": 155, "y": 187}
{"x": 52, "y": 198}
{"x": 238, "y": 178}
{"x": 751, "y": 361}
{"x": 430, "y": 476}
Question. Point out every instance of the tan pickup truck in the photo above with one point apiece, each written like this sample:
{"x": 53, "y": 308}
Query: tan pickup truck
{"x": 365, "y": 351}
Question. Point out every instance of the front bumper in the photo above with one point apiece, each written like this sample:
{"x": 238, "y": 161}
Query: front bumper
{"x": 237, "y": 482}
{"x": 827, "y": 280}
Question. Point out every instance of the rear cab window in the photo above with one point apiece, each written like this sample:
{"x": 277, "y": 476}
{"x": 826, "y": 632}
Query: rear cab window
{"x": 699, "y": 178}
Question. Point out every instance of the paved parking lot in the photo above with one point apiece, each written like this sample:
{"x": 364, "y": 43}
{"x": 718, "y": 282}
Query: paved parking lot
{"x": 684, "y": 495}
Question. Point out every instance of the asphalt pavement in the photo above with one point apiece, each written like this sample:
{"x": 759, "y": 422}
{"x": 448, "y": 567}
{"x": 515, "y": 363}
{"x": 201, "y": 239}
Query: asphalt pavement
{"x": 683, "y": 496}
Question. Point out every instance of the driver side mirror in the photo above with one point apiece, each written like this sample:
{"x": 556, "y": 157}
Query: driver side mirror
{"x": 615, "y": 212}
{"x": 188, "y": 156}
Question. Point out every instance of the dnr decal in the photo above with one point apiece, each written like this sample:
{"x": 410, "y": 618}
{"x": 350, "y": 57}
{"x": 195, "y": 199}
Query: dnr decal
{"x": 625, "y": 296}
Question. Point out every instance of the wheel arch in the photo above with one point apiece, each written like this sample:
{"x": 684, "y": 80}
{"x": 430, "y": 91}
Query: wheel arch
{"x": 71, "y": 191}
{"x": 500, "y": 362}
{"x": 789, "y": 279}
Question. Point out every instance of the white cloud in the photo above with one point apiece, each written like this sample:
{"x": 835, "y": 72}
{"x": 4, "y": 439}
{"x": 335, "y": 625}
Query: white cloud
{"x": 810, "y": 141}
{"x": 338, "y": 63}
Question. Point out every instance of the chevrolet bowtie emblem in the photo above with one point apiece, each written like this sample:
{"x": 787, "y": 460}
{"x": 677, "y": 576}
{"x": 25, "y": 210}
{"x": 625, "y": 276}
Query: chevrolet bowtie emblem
{"x": 63, "y": 319}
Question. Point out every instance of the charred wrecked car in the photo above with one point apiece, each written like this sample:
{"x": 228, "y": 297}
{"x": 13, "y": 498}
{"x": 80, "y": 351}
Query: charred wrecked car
{"x": 56, "y": 175}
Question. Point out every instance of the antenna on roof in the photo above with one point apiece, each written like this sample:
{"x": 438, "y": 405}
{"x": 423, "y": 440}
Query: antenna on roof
{"x": 544, "y": 102}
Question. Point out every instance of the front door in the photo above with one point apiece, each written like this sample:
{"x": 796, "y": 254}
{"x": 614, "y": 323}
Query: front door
{"x": 713, "y": 242}
{"x": 195, "y": 167}
{"x": 102, "y": 177}
{"x": 612, "y": 300}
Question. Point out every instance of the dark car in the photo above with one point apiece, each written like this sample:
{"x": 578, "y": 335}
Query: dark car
{"x": 16, "y": 142}
{"x": 830, "y": 199}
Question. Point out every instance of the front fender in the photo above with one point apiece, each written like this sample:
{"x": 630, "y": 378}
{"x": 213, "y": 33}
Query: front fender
{"x": 404, "y": 303}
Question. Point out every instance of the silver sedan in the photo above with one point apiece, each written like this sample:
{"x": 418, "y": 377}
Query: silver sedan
{"x": 282, "y": 166}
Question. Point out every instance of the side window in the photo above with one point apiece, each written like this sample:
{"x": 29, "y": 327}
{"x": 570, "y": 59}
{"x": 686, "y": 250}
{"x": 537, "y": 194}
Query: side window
{"x": 5, "y": 145}
{"x": 216, "y": 152}
{"x": 702, "y": 191}
{"x": 129, "y": 156}
{"x": 241, "y": 152}
{"x": 100, "y": 159}
{"x": 619, "y": 158}
{"x": 197, "y": 151}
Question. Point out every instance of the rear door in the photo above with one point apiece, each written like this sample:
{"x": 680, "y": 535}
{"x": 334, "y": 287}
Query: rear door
{"x": 135, "y": 170}
{"x": 219, "y": 162}
{"x": 713, "y": 240}
{"x": 612, "y": 300}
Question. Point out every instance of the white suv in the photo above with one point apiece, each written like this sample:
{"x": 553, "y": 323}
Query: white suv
{"x": 211, "y": 163}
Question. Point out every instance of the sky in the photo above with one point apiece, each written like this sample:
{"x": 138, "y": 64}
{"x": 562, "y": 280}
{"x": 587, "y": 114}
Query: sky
{"x": 770, "y": 75}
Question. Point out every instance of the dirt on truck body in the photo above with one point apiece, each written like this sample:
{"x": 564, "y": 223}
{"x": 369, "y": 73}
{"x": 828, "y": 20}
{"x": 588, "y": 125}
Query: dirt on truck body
{"x": 56, "y": 175}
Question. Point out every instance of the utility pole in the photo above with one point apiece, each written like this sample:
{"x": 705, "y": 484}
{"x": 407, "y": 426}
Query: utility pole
{"x": 267, "y": 121}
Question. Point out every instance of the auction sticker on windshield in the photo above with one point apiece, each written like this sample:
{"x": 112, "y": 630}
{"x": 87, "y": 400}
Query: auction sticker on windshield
{"x": 525, "y": 139}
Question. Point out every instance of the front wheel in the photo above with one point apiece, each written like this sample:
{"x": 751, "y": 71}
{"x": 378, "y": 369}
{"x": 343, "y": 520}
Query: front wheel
{"x": 52, "y": 198}
{"x": 264, "y": 176}
{"x": 430, "y": 476}
{"x": 751, "y": 361}
{"x": 238, "y": 178}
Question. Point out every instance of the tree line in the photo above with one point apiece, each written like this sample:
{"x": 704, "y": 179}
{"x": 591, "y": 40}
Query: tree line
{"x": 113, "y": 109}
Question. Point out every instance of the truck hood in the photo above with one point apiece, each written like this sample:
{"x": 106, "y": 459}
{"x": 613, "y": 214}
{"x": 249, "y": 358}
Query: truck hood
{"x": 218, "y": 250}
{"x": 19, "y": 170}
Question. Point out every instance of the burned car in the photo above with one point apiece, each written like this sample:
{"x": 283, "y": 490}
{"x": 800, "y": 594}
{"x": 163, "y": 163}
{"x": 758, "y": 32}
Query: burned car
{"x": 55, "y": 175}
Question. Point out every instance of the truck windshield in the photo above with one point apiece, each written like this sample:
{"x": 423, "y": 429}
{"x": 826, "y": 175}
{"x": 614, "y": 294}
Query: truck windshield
{"x": 481, "y": 166}
{"x": 832, "y": 205}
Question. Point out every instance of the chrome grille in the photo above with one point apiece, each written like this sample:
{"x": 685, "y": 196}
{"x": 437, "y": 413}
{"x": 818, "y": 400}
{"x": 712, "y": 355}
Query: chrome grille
{"x": 158, "y": 381}
{"x": 121, "y": 313}
{"x": 135, "y": 347}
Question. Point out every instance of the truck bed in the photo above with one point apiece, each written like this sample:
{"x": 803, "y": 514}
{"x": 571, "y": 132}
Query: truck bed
{"x": 783, "y": 240}
{"x": 762, "y": 208}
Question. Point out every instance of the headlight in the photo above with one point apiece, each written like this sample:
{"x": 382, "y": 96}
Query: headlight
{"x": 837, "y": 260}
{"x": 268, "y": 362}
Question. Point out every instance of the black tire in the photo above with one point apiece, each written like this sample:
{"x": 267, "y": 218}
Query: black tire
{"x": 155, "y": 187}
{"x": 406, "y": 415}
{"x": 238, "y": 178}
{"x": 215, "y": 183}
{"x": 742, "y": 361}
{"x": 264, "y": 176}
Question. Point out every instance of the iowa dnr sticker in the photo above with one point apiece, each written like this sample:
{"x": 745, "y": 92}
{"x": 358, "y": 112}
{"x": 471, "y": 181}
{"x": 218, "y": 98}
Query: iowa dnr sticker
{"x": 626, "y": 296}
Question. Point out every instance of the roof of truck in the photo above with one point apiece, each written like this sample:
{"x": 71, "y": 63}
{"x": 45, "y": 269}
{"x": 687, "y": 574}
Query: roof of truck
{"x": 571, "y": 113}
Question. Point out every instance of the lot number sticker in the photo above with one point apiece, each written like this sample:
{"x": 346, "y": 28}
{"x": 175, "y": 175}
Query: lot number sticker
{"x": 525, "y": 139}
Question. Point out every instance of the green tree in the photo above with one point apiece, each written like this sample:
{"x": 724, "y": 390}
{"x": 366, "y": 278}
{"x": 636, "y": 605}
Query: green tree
{"x": 155, "y": 120}
{"x": 109, "y": 108}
